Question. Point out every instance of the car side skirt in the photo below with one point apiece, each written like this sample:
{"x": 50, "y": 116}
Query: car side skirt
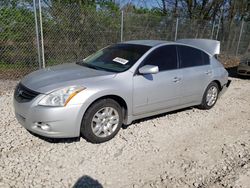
{"x": 132, "y": 118}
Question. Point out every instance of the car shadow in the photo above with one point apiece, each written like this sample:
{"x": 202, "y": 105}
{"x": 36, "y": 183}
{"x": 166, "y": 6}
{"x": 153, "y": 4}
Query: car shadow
{"x": 56, "y": 140}
{"x": 87, "y": 182}
{"x": 157, "y": 116}
{"x": 232, "y": 72}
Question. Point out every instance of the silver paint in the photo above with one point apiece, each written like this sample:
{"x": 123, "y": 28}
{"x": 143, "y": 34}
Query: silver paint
{"x": 144, "y": 94}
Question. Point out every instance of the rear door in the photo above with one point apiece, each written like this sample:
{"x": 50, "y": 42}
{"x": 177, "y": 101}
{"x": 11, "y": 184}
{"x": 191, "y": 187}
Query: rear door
{"x": 196, "y": 71}
{"x": 158, "y": 91}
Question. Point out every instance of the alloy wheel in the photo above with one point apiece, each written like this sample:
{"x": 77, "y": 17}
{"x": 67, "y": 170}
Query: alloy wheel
{"x": 105, "y": 122}
{"x": 211, "y": 97}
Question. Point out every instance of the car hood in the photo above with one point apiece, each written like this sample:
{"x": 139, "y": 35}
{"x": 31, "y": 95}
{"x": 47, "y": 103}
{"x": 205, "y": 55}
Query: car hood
{"x": 64, "y": 75}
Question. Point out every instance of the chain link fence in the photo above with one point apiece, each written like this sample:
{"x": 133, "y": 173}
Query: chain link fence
{"x": 18, "y": 51}
{"x": 71, "y": 32}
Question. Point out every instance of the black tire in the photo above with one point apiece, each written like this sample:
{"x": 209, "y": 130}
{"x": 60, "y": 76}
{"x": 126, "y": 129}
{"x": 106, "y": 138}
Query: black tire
{"x": 86, "y": 126}
{"x": 204, "y": 104}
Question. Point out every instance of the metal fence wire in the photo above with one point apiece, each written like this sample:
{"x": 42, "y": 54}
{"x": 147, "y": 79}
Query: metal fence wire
{"x": 72, "y": 32}
{"x": 18, "y": 50}
{"x": 33, "y": 38}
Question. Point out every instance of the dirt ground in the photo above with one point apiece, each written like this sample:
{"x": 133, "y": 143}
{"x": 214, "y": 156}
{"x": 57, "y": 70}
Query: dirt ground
{"x": 186, "y": 148}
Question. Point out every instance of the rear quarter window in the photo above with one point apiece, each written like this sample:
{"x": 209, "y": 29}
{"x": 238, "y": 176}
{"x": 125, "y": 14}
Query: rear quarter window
{"x": 191, "y": 57}
{"x": 206, "y": 59}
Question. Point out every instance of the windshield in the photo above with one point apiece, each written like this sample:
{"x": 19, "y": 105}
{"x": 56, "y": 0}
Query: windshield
{"x": 116, "y": 58}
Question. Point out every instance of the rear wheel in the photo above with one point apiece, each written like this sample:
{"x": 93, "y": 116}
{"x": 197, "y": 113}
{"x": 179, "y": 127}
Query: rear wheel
{"x": 210, "y": 96}
{"x": 102, "y": 121}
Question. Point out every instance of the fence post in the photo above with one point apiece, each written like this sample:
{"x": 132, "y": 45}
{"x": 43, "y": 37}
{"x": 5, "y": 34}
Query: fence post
{"x": 238, "y": 45}
{"x": 41, "y": 32}
{"x": 122, "y": 26}
{"x": 176, "y": 29}
{"x": 219, "y": 26}
{"x": 37, "y": 35}
{"x": 212, "y": 34}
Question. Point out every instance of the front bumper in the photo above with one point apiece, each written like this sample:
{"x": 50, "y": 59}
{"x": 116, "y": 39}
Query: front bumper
{"x": 243, "y": 70}
{"x": 225, "y": 87}
{"x": 55, "y": 122}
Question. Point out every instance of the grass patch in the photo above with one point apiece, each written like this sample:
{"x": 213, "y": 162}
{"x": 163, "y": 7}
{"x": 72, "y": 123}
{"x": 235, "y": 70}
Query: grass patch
{"x": 17, "y": 66}
{"x": 15, "y": 70}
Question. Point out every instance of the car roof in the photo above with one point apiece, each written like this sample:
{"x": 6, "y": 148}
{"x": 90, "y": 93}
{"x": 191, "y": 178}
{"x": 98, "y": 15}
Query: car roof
{"x": 146, "y": 42}
{"x": 211, "y": 47}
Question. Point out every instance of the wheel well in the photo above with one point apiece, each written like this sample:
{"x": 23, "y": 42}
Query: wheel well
{"x": 219, "y": 84}
{"x": 119, "y": 100}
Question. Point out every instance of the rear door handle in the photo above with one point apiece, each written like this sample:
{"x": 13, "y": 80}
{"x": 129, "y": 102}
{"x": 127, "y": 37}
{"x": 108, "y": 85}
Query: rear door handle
{"x": 176, "y": 79}
{"x": 209, "y": 72}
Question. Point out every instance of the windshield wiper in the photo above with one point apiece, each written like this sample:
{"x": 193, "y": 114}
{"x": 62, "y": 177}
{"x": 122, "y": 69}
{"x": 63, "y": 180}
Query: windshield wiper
{"x": 82, "y": 63}
{"x": 87, "y": 65}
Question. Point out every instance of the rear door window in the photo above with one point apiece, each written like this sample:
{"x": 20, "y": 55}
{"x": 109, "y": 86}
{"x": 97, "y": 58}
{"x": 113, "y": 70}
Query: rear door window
{"x": 190, "y": 57}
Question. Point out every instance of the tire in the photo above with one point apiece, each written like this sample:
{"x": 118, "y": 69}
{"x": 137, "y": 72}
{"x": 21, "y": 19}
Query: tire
{"x": 212, "y": 89}
{"x": 102, "y": 121}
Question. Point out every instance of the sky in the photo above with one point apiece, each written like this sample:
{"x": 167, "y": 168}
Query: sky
{"x": 140, "y": 3}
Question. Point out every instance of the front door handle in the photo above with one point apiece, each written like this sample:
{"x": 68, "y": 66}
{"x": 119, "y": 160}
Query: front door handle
{"x": 176, "y": 79}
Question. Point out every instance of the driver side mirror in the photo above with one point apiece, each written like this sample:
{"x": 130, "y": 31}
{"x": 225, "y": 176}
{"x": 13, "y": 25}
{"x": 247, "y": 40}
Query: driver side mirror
{"x": 149, "y": 69}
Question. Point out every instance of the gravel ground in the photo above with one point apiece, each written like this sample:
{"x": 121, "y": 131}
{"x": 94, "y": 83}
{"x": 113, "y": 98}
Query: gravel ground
{"x": 187, "y": 148}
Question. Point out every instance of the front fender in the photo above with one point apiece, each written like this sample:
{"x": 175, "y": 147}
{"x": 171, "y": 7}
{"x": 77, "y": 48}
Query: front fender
{"x": 121, "y": 85}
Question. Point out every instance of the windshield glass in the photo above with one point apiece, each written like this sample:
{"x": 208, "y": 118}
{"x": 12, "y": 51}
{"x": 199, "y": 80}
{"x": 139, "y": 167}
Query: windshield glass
{"x": 116, "y": 58}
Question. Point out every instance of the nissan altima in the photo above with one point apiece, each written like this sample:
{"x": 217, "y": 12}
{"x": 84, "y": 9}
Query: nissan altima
{"x": 119, "y": 84}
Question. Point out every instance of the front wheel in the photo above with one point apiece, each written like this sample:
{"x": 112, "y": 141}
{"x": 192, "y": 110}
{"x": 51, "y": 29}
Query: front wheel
{"x": 102, "y": 121}
{"x": 210, "y": 96}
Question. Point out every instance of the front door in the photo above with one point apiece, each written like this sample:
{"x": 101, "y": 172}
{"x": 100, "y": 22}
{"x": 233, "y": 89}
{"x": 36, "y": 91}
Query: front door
{"x": 153, "y": 92}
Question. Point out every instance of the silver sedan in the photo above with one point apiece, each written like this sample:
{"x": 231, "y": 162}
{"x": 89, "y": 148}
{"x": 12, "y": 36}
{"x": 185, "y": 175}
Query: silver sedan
{"x": 119, "y": 84}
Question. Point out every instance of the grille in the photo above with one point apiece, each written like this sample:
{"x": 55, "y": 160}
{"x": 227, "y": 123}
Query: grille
{"x": 24, "y": 94}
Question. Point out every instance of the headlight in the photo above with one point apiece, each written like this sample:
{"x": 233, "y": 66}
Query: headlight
{"x": 60, "y": 97}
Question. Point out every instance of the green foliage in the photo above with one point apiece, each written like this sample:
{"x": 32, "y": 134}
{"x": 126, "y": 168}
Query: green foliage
{"x": 14, "y": 66}
{"x": 75, "y": 28}
{"x": 17, "y": 35}
{"x": 73, "y": 31}
{"x": 13, "y": 20}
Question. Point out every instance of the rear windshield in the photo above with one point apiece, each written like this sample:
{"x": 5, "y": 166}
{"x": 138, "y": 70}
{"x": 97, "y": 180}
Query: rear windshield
{"x": 116, "y": 58}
